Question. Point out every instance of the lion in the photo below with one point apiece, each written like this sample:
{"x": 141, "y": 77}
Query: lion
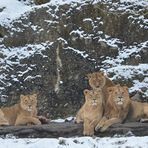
{"x": 22, "y": 113}
{"x": 117, "y": 107}
{"x": 3, "y": 120}
{"x": 92, "y": 110}
{"x": 138, "y": 111}
{"x": 99, "y": 80}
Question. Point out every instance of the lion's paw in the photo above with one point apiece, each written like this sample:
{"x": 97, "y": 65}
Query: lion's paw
{"x": 99, "y": 126}
{"x": 88, "y": 133}
{"x": 103, "y": 129}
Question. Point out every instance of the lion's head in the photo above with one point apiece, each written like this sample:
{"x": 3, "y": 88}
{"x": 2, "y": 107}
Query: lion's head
{"x": 118, "y": 95}
{"x": 96, "y": 79}
{"x": 28, "y": 102}
{"x": 93, "y": 97}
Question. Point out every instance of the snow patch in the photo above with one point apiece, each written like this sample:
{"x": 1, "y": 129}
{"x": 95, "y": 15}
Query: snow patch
{"x": 77, "y": 142}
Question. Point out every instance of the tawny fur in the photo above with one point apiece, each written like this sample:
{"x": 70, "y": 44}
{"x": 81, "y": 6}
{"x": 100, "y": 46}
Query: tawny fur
{"x": 24, "y": 112}
{"x": 3, "y": 120}
{"x": 91, "y": 111}
{"x": 117, "y": 107}
{"x": 99, "y": 80}
{"x": 137, "y": 111}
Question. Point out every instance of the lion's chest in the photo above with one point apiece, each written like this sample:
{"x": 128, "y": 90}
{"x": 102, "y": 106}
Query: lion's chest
{"x": 116, "y": 113}
{"x": 93, "y": 112}
{"x": 26, "y": 113}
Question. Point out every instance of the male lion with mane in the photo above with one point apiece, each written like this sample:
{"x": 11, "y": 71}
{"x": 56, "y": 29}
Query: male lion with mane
{"x": 91, "y": 112}
{"x": 24, "y": 112}
{"x": 117, "y": 107}
{"x": 99, "y": 80}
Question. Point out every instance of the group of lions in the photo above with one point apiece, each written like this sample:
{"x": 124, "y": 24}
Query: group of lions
{"x": 106, "y": 104}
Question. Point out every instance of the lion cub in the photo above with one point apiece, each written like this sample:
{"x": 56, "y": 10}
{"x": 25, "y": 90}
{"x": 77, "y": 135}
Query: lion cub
{"x": 99, "y": 80}
{"x": 117, "y": 107}
{"x": 24, "y": 112}
{"x": 91, "y": 111}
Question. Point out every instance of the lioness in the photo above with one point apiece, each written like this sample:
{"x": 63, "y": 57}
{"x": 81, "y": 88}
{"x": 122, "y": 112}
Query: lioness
{"x": 99, "y": 80}
{"x": 24, "y": 112}
{"x": 91, "y": 111}
{"x": 137, "y": 111}
{"x": 117, "y": 107}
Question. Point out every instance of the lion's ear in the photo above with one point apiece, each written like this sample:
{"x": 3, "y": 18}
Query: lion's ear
{"x": 125, "y": 88}
{"x": 110, "y": 89}
{"x": 22, "y": 96}
{"x": 102, "y": 73}
{"x": 86, "y": 91}
{"x": 34, "y": 95}
{"x": 89, "y": 75}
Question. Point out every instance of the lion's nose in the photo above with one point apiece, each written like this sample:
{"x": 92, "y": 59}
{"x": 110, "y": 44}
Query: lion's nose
{"x": 120, "y": 98}
{"x": 30, "y": 106}
{"x": 94, "y": 99}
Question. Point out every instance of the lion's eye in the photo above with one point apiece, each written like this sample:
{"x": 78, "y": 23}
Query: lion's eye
{"x": 25, "y": 101}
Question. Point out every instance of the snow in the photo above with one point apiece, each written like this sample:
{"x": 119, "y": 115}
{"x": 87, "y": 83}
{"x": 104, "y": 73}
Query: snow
{"x": 77, "y": 142}
{"x": 82, "y": 53}
{"x": 60, "y": 120}
{"x": 18, "y": 54}
{"x": 12, "y": 10}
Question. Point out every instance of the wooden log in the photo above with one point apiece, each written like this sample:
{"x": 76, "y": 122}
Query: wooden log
{"x": 66, "y": 129}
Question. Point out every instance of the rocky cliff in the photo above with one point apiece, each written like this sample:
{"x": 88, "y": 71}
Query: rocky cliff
{"x": 51, "y": 48}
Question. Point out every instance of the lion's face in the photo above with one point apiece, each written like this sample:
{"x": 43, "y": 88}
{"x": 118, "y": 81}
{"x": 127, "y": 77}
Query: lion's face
{"x": 96, "y": 79}
{"x": 93, "y": 97}
{"x": 28, "y": 102}
{"x": 119, "y": 95}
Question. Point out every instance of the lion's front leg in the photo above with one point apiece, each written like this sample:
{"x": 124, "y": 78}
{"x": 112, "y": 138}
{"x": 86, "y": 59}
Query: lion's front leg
{"x": 25, "y": 120}
{"x": 94, "y": 123}
{"x": 88, "y": 128}
{"x": 101, "y": 123}
{"x": 3, "y": 120}
{"x": 110, "y": 122}
{"x": 79, "y": 117}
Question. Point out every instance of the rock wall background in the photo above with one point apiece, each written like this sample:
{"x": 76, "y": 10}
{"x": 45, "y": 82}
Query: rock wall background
{"x": 51, "y": 47}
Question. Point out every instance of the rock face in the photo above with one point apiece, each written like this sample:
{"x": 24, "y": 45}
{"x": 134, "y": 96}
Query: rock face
{"x": 51, "y": 49}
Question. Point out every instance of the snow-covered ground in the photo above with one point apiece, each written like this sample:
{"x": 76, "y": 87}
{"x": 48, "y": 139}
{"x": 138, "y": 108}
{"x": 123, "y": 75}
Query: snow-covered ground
{"x": 77, "y": 142}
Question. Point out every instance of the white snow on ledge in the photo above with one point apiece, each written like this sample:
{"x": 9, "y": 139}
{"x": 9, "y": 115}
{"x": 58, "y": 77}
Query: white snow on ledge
{"x": 78, "y": 142}
{"x": 60, "y": 120}
{"x": 12, "y": 9}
